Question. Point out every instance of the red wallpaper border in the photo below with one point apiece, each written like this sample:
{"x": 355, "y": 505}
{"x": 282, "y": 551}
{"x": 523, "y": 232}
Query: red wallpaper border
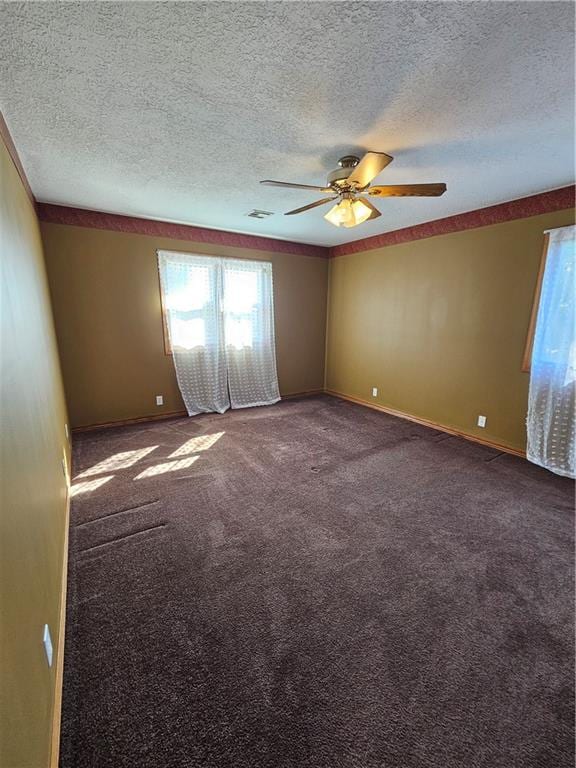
{"x": 545, "y": 202}
{"x": 80, "y": 217}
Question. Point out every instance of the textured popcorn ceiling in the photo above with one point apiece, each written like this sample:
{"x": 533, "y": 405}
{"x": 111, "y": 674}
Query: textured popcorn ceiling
{"x": 176, "y": 110}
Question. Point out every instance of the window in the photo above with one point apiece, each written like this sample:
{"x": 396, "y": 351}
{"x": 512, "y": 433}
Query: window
{"x": 554, "y": 320}
{"x": 188, "y": 295}
{"x": 242, "y": 309}
{"x": 191, "y": 300}
{"x": 551, "y": 421}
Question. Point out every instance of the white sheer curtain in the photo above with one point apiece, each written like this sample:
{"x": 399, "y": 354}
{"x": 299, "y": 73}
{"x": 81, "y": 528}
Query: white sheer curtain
{"x": 220, "y": 317}
{"x": 551, "y": 419}
{"x": 249, "y": 333}
{"x": 191, "y": 287}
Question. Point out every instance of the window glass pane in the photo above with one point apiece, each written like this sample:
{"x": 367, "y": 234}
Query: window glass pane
{"x": 239, "y": 331}
{"x": 240, "y": 290}
{"x": 554, "y": 341}
{"x": 241, "y": 304}
{"x": 188, "y": 333}
{"x": 187, "y": 287}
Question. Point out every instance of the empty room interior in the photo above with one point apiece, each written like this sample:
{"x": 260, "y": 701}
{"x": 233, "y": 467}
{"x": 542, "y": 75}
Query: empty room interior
{"x": 288, "y": 373}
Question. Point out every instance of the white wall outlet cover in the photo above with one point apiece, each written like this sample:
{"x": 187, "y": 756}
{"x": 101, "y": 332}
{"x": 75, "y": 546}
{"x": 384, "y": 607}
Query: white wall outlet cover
{"x": 374, "y": 391}
{"x": 481, "y": 421}
{"x": 159, "y": 399}
{"x": 47, "y": 640}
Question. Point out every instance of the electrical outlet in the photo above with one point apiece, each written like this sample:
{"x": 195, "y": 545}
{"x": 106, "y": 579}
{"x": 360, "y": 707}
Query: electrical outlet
{"x": 374, "y": 391}
{"x": 481, "y": 421}
{"x": 47, "y": 640}
{"x": 159, "y": 399}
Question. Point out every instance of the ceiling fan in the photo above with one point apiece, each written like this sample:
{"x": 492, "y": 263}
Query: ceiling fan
{"x": 350, "y": 182}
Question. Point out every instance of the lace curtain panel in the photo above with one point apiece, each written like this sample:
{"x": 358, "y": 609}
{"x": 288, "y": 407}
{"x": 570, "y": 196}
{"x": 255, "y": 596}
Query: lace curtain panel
{"x": 220, "y": 318}
{"x": 551, "y": 418}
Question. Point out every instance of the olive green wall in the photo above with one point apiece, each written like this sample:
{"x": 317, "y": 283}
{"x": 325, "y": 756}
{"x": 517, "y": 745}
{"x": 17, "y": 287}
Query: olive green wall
{"x": 33, "y": 487}
{"x": 106, "y": 300}
{"x": 439, "y": 325}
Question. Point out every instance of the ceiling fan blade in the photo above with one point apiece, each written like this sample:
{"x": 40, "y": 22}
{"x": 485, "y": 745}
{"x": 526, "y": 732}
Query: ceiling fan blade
{"x": 375, "y": 212}
{"x": 272, "y": 183}
{"x": 369, "y": 167}
{"x": 407, "y": 190}
{"x": 312, "y": 205}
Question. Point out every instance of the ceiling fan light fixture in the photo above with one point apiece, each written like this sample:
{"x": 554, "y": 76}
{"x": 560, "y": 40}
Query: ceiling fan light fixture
{"x": 348, "y": 213}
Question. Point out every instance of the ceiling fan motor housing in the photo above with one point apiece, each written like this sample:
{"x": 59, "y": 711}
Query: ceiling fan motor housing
{"x": 347, "y": 165}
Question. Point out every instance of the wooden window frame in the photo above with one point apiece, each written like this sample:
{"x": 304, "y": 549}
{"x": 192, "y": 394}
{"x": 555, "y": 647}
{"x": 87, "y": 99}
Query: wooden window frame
{"x": 527, "y": 358}
{"x": 165, "y": 332}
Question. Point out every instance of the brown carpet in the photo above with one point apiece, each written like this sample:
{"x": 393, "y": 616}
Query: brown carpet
{"x": 320, "y": 586}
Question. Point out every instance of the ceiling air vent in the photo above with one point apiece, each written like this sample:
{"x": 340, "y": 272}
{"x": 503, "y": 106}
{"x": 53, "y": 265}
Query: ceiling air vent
{"x": 256, "y": 214}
